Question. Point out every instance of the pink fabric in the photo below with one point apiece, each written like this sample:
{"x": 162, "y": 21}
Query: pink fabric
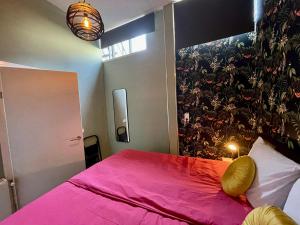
{"x": 69, "y": 205}
{"x": 135, "y": 187}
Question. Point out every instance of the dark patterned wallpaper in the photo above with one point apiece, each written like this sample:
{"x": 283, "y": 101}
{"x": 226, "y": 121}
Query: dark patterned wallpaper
{"x": 232, "y": 90}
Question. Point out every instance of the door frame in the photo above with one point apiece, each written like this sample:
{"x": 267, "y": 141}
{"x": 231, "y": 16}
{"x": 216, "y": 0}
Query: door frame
{"x": 4, "y": 150}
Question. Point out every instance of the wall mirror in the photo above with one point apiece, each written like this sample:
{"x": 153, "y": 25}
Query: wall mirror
{"x": 121, "y": 115}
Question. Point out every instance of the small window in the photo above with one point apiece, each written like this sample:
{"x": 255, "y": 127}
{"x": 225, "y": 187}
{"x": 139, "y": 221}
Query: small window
{"x": 138, "y": 44}
{"x": 127, "y": 47}
{"x": 105, "y": 54}
{"x": 120, "y": 49}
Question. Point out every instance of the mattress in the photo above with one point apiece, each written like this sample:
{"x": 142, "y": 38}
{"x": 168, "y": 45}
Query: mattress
{"x": 135, "y": 187}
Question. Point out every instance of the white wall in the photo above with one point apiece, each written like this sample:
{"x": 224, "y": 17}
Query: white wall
{"x": 34, "y": 33}
{"x": 39, "y": 37}
{"x": 143, "y": 75}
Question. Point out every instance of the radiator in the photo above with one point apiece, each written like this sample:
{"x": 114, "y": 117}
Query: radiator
{"x": 5, "y": 202}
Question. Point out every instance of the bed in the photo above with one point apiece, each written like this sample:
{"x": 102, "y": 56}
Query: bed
{"x": 135, "y": 187}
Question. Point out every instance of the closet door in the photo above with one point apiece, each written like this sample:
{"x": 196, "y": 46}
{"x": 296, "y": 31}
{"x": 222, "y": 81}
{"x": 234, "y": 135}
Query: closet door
{"x": 44, "y": 129}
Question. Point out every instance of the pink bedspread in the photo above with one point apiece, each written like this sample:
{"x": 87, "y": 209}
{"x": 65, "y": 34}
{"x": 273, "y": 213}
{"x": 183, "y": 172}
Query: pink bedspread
{"x": 135, "y": 187}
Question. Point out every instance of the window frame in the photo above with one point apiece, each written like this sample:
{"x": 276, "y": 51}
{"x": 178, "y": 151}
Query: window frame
{"x": 111, "y": 55}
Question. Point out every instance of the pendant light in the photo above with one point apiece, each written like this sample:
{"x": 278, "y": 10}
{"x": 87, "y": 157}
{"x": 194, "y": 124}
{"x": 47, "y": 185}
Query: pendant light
{"x": 85, "y": 21}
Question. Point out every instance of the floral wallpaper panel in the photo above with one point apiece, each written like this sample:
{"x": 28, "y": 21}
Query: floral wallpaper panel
{"x": 233, "y": 89}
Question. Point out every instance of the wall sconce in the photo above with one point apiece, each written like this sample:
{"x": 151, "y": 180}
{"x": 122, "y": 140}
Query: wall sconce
{"x": 233, "y": 148}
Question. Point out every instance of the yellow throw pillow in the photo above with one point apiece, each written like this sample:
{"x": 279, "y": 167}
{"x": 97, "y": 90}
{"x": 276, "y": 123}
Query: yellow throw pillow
{"x": 268, "y": 215}
{"x": 239, "y": 176}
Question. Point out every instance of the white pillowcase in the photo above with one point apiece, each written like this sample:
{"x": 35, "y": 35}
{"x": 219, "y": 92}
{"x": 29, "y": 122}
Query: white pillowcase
{"x": 292, "y": 205}
{"x": 275, "y": 176}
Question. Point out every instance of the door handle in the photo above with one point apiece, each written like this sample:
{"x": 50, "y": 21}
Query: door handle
{"x": 78, "y": 138}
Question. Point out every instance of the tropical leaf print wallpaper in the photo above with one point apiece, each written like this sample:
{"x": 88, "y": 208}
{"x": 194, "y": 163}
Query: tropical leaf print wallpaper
{"x": 233, "y": 89}
{"x": 216, "y": 99}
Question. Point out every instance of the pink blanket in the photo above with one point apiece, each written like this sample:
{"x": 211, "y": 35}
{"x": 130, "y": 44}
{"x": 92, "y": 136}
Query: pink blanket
{"x": 135, "y": 187}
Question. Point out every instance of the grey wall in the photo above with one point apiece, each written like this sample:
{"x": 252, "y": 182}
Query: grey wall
{"x": 143, "y": 75}
{"x": 34, "y": 33}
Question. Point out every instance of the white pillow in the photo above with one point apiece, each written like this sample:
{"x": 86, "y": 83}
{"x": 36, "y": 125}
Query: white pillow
{"x": 275, "y": 176}
{"x": 292, "y": 204}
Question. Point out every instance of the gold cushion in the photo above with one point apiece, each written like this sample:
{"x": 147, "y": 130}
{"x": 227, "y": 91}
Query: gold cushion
{"x": 239, "y": 176}
{"x": 268, "y": 215}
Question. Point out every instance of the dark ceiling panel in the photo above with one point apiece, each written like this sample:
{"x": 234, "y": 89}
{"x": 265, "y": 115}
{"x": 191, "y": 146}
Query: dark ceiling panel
{"x": 200, "y": 21}
{"x": 130, "y": 30}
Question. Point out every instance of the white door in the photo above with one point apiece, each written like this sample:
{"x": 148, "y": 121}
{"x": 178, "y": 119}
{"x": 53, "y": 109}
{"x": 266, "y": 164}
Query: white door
{"x": 44, "y": 129}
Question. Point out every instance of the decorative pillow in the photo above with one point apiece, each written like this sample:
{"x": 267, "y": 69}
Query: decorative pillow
{"x": 275, "y": 176}
{"x": 292, "y": 204}
{"x": 268, "y": 215}
{"x": 239, "y": 176}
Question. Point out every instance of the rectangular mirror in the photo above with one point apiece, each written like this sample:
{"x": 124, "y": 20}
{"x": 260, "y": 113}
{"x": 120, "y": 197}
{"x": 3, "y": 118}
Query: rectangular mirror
{"x": 121, "y": 115}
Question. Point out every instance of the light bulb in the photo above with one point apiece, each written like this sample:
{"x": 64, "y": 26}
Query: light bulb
{"x": 232, "y": 147}
{"x": 86, "y": 22}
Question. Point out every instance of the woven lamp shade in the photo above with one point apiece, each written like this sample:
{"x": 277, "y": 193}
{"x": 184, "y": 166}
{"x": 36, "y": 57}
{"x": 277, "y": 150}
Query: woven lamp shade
{"x": 85, "y": 21}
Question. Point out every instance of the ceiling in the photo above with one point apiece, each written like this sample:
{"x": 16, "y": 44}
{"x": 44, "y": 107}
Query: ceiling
{"x": 117, "y": 12}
